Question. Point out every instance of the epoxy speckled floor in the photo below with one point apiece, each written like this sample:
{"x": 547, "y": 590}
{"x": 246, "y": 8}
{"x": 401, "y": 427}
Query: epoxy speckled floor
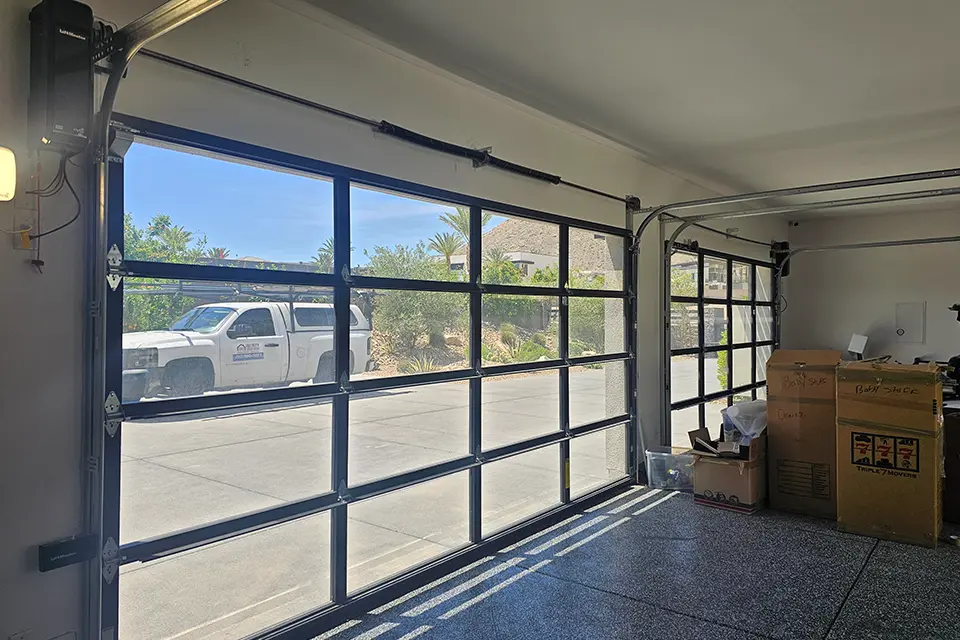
{"x": 652, "y": 564}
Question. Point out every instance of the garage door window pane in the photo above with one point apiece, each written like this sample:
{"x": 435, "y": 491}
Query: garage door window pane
{"x": 683, "y": 274}
{"x": 519, "y": 251}
{"x": 764, "y": 284}
{"x": 596, "y": 260}
{"x": 519, "y": 407}
{"x": 230, "y": 589}
{"x": 596, "y": 326}
{"x": 763, "y": 354}
{"x": 519, "y": 487}
{"x": 597, "y": 459}
{"x": 684, "y": 378}
{"x": 764, "y": 324}
{"x": 715, "y": 278}
{"x": 742, "y": 367}
{"x": 682, "y": 422}
{"x": 715, "y": 374}
{"x": 397, "y": 531}
{"x": 413, "y": 332}
{"x": 741, "y": 290}
{"x": 191, "y": 207}
{"x": 394, "y": 235}
{"x": 742, "y": 324}
{"x": 715, "y": 325}
{"x": 182, "y": 472}
{"x": 187, "y": 338}
{"x": 400, "y": 430}
{"x": 683, "y": 325}
{"x": 597, "y": 392}
{"x": 519, "y": 328}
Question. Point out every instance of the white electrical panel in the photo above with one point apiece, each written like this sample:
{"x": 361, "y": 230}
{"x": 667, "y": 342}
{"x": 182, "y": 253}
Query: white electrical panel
{"x": 911, "y": 322}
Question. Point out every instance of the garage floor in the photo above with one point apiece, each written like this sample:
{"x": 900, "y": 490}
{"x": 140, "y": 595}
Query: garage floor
{"x": 653, "y": 564}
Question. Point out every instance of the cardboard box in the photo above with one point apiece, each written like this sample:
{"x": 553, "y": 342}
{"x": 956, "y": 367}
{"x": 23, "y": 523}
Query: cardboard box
{"x": 890, "y": 451}
{"x": 802, "y": 431}
{"x": 733, "y": 483}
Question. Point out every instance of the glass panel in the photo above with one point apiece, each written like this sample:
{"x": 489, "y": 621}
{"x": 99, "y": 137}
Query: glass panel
{"x": 185, "y": 338}
{"x": 682, "y": 422}
{"x": 597, "y": 459}
{"x": 763, "y": 354}
{"x": 596, "y": 326}
{"x": 400, "y": 236}
{"x": 520, "y": 251}
{"x": 187, "y": 206}
{"x": 519, "y": 407}
{"x": 413, "y": 332}
{"x": 404, "y": 429}
{"x": 762, "y": 393}
{"x": 741, "y": 281}
{"x": 764, "y": 324}
{"x": 715, "y": 325}
{"x": 742, "y": 367}
{"x": 683, "y": 325}
{"x": 742, "y": 324}
{"x": 684, "y": 376}
{"x": 227, "y": 589}
{"x": 683, "y": 274}
{"x": 596, "y": 260}
{"x": 519, "y": 328}
{"x": 715, "y": 376}
{"x": 399, "y": 530}
{"x": 597, "y": 392}
{"x": 714, "y": 278}
{"x": 764, "y": 284}
{"x": 518, "y": 487}
{"x": 713, "y": 417}
{"x": 184, "y": 472}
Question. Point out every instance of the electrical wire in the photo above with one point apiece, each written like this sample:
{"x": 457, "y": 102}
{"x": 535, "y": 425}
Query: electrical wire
{"x": 66, "y": 180}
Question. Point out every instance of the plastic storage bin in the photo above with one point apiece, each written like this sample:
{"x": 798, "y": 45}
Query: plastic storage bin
{"x": 669, "y": 470}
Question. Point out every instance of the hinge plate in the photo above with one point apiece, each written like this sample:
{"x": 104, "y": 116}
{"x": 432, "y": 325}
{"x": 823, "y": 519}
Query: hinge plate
{"x": 113, "y": 417}
{"x": 109, "y": 560}
{"x": 114, "y": 262}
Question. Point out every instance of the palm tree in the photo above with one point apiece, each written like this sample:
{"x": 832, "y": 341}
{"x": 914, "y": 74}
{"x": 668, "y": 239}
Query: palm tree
{"x": 460, "y": 222}
{"x": 496, "y": 256}
{"x": 324, "y": 258}
{"x": 220, "y": 253}
{"x": 447, "y": 245}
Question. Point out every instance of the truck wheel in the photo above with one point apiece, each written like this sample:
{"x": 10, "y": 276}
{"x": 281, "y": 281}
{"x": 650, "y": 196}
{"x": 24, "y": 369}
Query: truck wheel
{"x": 325, "y": 369}
{"x": 188, "y": 377}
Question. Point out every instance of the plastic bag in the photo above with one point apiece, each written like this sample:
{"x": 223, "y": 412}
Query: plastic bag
{"x": 747, "y": 418}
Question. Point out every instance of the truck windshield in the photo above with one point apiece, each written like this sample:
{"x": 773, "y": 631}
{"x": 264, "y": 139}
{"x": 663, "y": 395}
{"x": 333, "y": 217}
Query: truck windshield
{"x": 201, "y": 319}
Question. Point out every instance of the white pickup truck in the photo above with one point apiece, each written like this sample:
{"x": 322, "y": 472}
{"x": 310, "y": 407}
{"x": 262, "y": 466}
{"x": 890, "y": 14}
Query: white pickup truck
{"x": 239, "y": 344}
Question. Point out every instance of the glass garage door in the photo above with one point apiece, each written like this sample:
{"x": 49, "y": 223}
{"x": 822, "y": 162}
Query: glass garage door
{"x": 331, "y": 381}
{"x": 722, "y": 331}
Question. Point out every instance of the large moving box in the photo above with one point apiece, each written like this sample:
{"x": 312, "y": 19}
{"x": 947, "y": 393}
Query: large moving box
{"x": 802, "y": 431}
{"x": 889, "y": 451}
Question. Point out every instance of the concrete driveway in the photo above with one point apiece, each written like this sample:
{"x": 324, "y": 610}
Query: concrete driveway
{"x": 179, "y": 473}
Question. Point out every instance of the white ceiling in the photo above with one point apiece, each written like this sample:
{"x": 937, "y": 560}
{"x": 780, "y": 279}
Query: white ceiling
{"x": 740, "y": 94}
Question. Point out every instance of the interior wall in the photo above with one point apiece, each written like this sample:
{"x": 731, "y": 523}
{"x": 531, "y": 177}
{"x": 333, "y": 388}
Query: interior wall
{"x": 832, "y": 295}
{"x": 295, "y": 48}
{"x": 40, "y": 394}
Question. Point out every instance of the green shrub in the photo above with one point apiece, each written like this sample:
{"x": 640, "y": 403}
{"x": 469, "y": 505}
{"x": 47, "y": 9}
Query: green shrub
{"x": 508, "y": 334}
{"x": 420, "y": 364}
{"x": 530, "y": 351}
{"x": 540, "y": 338}
{"x": 587, "y": 322}
{"x": 722, "y": 363}
{"x": 577, "y": 347}
{"x": 437, "y": 340}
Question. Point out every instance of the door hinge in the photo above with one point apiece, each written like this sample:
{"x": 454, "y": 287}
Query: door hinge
{"x": 109, "y": 560}
{"x": 114, "y": 267}
{"x": 113, "y": 417}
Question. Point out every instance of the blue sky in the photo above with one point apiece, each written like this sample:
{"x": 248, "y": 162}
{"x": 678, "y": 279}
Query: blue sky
{"x": 269, "y": 214}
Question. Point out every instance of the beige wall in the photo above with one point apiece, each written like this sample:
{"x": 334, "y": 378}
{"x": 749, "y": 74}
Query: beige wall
{"x": 832, "y": 295}
{"x": 296, "y": 49}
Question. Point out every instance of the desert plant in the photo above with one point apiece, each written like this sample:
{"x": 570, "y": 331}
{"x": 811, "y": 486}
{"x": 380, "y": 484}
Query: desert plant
{"x": 447, "y": 245}
{"x": 722, "y": 363}
{"x": 418, "y": 364}
{"x": 539, "y": 338}
{"x": 508, "y": 334}
{"x": 436, "y": 340}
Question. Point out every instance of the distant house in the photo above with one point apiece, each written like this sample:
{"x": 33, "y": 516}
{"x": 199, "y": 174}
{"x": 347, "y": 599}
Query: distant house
{"x": 532, "y": 245}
